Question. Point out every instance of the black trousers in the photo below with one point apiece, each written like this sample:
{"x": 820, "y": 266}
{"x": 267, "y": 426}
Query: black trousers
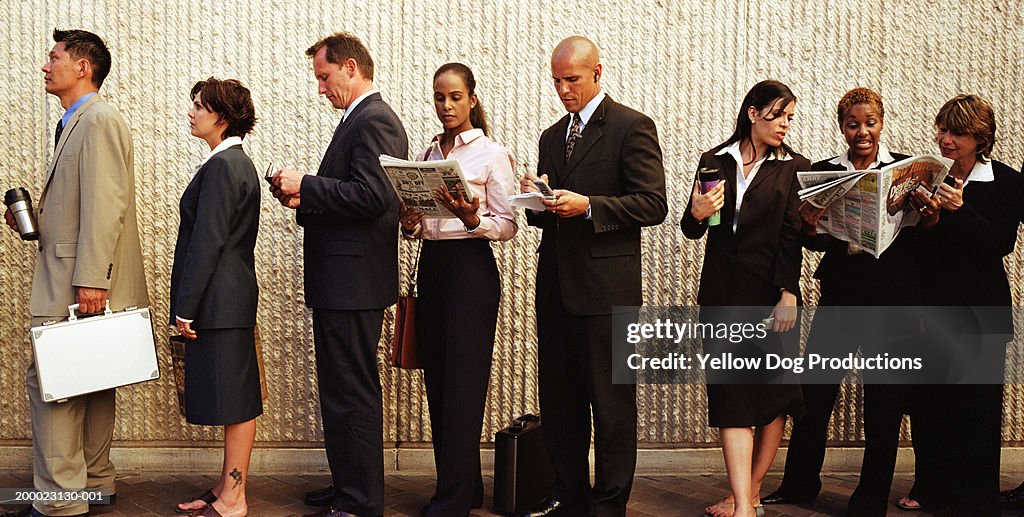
{"x": 575, "y": 382}
{"x": 806, "y": 452}
{"x": 884, "y": 406}
{"x": 459, "y": 290}
{"x": 350, "y": 404}
{"x": 959, "y": 429}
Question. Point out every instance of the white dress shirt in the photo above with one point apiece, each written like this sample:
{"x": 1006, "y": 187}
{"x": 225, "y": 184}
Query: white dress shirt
{"x": 742, "y": 182}
{"x": 488, "y": 170}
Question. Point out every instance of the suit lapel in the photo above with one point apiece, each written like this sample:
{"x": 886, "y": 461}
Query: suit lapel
{"x": 591, "y": 135}
{"x": 768, "y": 168}
{"x": 344, "y": 127}
{"x": 65, "y": 135}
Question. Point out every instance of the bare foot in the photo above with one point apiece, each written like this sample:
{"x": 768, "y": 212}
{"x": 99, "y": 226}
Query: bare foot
{"x": 724, "y": 508}
{"x": 192, "y": 506}
{"x": 909, "y": 504}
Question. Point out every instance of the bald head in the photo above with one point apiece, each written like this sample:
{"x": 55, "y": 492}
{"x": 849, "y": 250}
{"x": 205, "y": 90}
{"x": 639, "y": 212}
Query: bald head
{"x": 576, "y": 71}
{"x": 576, "y": 48}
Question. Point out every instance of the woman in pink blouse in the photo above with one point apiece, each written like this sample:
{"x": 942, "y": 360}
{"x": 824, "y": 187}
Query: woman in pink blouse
{"x": 459, "y": 287}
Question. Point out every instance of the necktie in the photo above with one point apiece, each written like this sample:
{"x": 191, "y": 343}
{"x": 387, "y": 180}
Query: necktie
{"x": 574, "y": 135}
{"x": 56, "y": 134}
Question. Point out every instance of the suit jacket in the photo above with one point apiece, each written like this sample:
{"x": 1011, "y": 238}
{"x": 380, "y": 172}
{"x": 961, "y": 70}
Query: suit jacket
{"x": 350, "y": 214}
{"x": 88, "y": 232}
{"x": 861, "y": 279}
{"x": 213, "y": 280}
{"x": 965, "y": 249}
{"x": 617, "y": 163}
{"x": 749, "y": 267}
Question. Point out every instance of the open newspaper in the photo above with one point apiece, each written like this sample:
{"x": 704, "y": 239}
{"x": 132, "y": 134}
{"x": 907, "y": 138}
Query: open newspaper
{"x": 415, "y": 182}
{"x": 868, "y": 208}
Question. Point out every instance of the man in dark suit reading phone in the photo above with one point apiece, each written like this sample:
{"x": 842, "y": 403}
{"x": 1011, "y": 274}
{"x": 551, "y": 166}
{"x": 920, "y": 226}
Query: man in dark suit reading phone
{"x": 350, "y": 215}
{"x": 604, "y": 164}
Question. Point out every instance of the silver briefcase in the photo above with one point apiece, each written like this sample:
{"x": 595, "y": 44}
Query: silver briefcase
{"x": 83, "y": 355}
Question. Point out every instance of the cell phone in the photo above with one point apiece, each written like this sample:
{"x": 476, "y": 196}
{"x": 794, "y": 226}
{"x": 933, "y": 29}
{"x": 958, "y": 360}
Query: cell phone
{"x": 949, "y": 180}
{"x": 269, "y": 175}
{"x": 543, "y": 187}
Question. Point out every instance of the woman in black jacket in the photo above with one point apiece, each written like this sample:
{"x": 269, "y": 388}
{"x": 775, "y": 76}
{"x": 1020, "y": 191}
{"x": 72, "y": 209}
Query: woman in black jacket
{"x": 214, "y": 291}
{"x": 751, "y": 259}
{"x": 960, "y": 425}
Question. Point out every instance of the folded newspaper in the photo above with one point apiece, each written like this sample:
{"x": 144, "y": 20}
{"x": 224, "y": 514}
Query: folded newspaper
{"x": 415, "y": 182}
{"x": 868, "y": 208}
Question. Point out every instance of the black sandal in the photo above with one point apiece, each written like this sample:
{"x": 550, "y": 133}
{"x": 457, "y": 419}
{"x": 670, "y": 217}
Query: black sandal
{"x": 207, "y": 498}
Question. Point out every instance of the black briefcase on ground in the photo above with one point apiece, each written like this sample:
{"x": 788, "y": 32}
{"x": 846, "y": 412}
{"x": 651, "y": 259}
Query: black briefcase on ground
{"x": 523, "y": 476}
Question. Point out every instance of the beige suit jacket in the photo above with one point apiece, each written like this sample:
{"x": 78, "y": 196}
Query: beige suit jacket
{"x": 88, "y": 233}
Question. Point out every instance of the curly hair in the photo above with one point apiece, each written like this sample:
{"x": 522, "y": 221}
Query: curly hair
{"x": 859, "y": 96}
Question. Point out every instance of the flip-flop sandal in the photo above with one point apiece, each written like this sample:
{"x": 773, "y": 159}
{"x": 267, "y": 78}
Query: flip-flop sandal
{"x": 207, "y": 498}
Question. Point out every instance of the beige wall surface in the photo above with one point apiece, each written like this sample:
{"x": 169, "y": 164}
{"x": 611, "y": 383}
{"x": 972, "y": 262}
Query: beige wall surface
{"x": 684, "y": 63}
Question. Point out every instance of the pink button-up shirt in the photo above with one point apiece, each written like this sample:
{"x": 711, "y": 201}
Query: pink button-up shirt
{"x": 488, "y": 170}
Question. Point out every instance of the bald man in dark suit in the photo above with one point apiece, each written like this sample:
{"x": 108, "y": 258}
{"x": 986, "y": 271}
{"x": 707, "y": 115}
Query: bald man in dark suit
{"x": 604, "y": 162}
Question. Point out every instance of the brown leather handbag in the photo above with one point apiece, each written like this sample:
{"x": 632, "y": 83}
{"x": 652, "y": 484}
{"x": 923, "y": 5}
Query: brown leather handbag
{"x": 403, "y": 345}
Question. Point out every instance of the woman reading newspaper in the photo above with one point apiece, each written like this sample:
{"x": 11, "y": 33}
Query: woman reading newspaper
{"x": 849, "y": 277}
{"x": 958, "y": 425}
{"x": 752, "y": 259}
{"x": 459, "y": 287}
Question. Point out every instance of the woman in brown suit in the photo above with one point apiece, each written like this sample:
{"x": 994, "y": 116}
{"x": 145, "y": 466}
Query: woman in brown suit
{"x": 752, "y": 259}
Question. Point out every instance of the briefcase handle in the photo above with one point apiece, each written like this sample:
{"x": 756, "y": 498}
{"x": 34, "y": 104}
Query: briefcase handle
{"x": 74, "y": 306}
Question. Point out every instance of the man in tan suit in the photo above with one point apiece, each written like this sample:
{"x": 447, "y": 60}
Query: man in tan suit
{"x": 89, "y": 254}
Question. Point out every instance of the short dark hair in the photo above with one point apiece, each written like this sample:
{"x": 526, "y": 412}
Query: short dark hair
{"x": 970, "y": 115}
{"x": 762, "y": 95}
{"x": 81, "y": 44}
{"x": 232, "y": 103}
{"x": 342, "y": 46}
{"x": 477, "y": 117}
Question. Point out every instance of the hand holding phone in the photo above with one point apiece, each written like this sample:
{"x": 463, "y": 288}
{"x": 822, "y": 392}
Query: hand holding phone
{"x": 543, "y": 187}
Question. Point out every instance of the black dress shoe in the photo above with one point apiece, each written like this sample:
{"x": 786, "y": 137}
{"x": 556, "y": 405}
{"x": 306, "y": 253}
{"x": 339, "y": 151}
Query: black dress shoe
{"x": 777, "y": 498}
{"x": 1012, "y": 498}
{"x": 321, "y": 497}
{"x": 553, "y": 508}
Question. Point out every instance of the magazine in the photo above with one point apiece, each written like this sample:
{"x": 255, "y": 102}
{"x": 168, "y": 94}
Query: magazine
{"x": 868, "y": 208}
{"x": 414, "y": 182}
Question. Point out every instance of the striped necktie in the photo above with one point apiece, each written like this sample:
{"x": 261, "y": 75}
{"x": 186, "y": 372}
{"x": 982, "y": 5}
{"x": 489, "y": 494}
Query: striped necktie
{"x": 574, "y": 136}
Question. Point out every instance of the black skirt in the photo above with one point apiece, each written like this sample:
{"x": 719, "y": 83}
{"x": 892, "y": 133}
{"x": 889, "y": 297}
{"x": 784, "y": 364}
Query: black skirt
{"x": 222, "y": 379}
{"x": 751, "y": 398}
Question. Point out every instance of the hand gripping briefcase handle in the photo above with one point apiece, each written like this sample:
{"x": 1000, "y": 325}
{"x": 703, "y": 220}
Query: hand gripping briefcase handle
{"x": 106, "y": 310}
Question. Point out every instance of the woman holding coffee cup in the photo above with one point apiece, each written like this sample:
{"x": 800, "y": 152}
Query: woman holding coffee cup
{"x": 752, "y": 259}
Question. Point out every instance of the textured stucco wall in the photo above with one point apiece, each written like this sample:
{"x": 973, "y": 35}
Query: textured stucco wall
{"x": 684, "y": 63}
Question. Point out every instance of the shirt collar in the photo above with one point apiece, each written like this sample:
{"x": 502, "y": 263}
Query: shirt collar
{"x": 981, "y": 172}
{"x": 590, "y": 108}
{"x": 883, "y": 156}
{"x": 74, "y": 107}
{"x": 356, "y": 102}
{"x": 734, "y": 150}
{"x": 463, "y": 138}
{"x": 230, "y": 141}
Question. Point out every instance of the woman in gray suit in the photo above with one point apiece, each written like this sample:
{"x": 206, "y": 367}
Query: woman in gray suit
{"x": 214, "y": 291}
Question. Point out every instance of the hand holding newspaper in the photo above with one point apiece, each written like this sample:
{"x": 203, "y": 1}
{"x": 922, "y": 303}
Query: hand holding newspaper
{"x": 868, "y": 208}
{"x": 415, "y": 182}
